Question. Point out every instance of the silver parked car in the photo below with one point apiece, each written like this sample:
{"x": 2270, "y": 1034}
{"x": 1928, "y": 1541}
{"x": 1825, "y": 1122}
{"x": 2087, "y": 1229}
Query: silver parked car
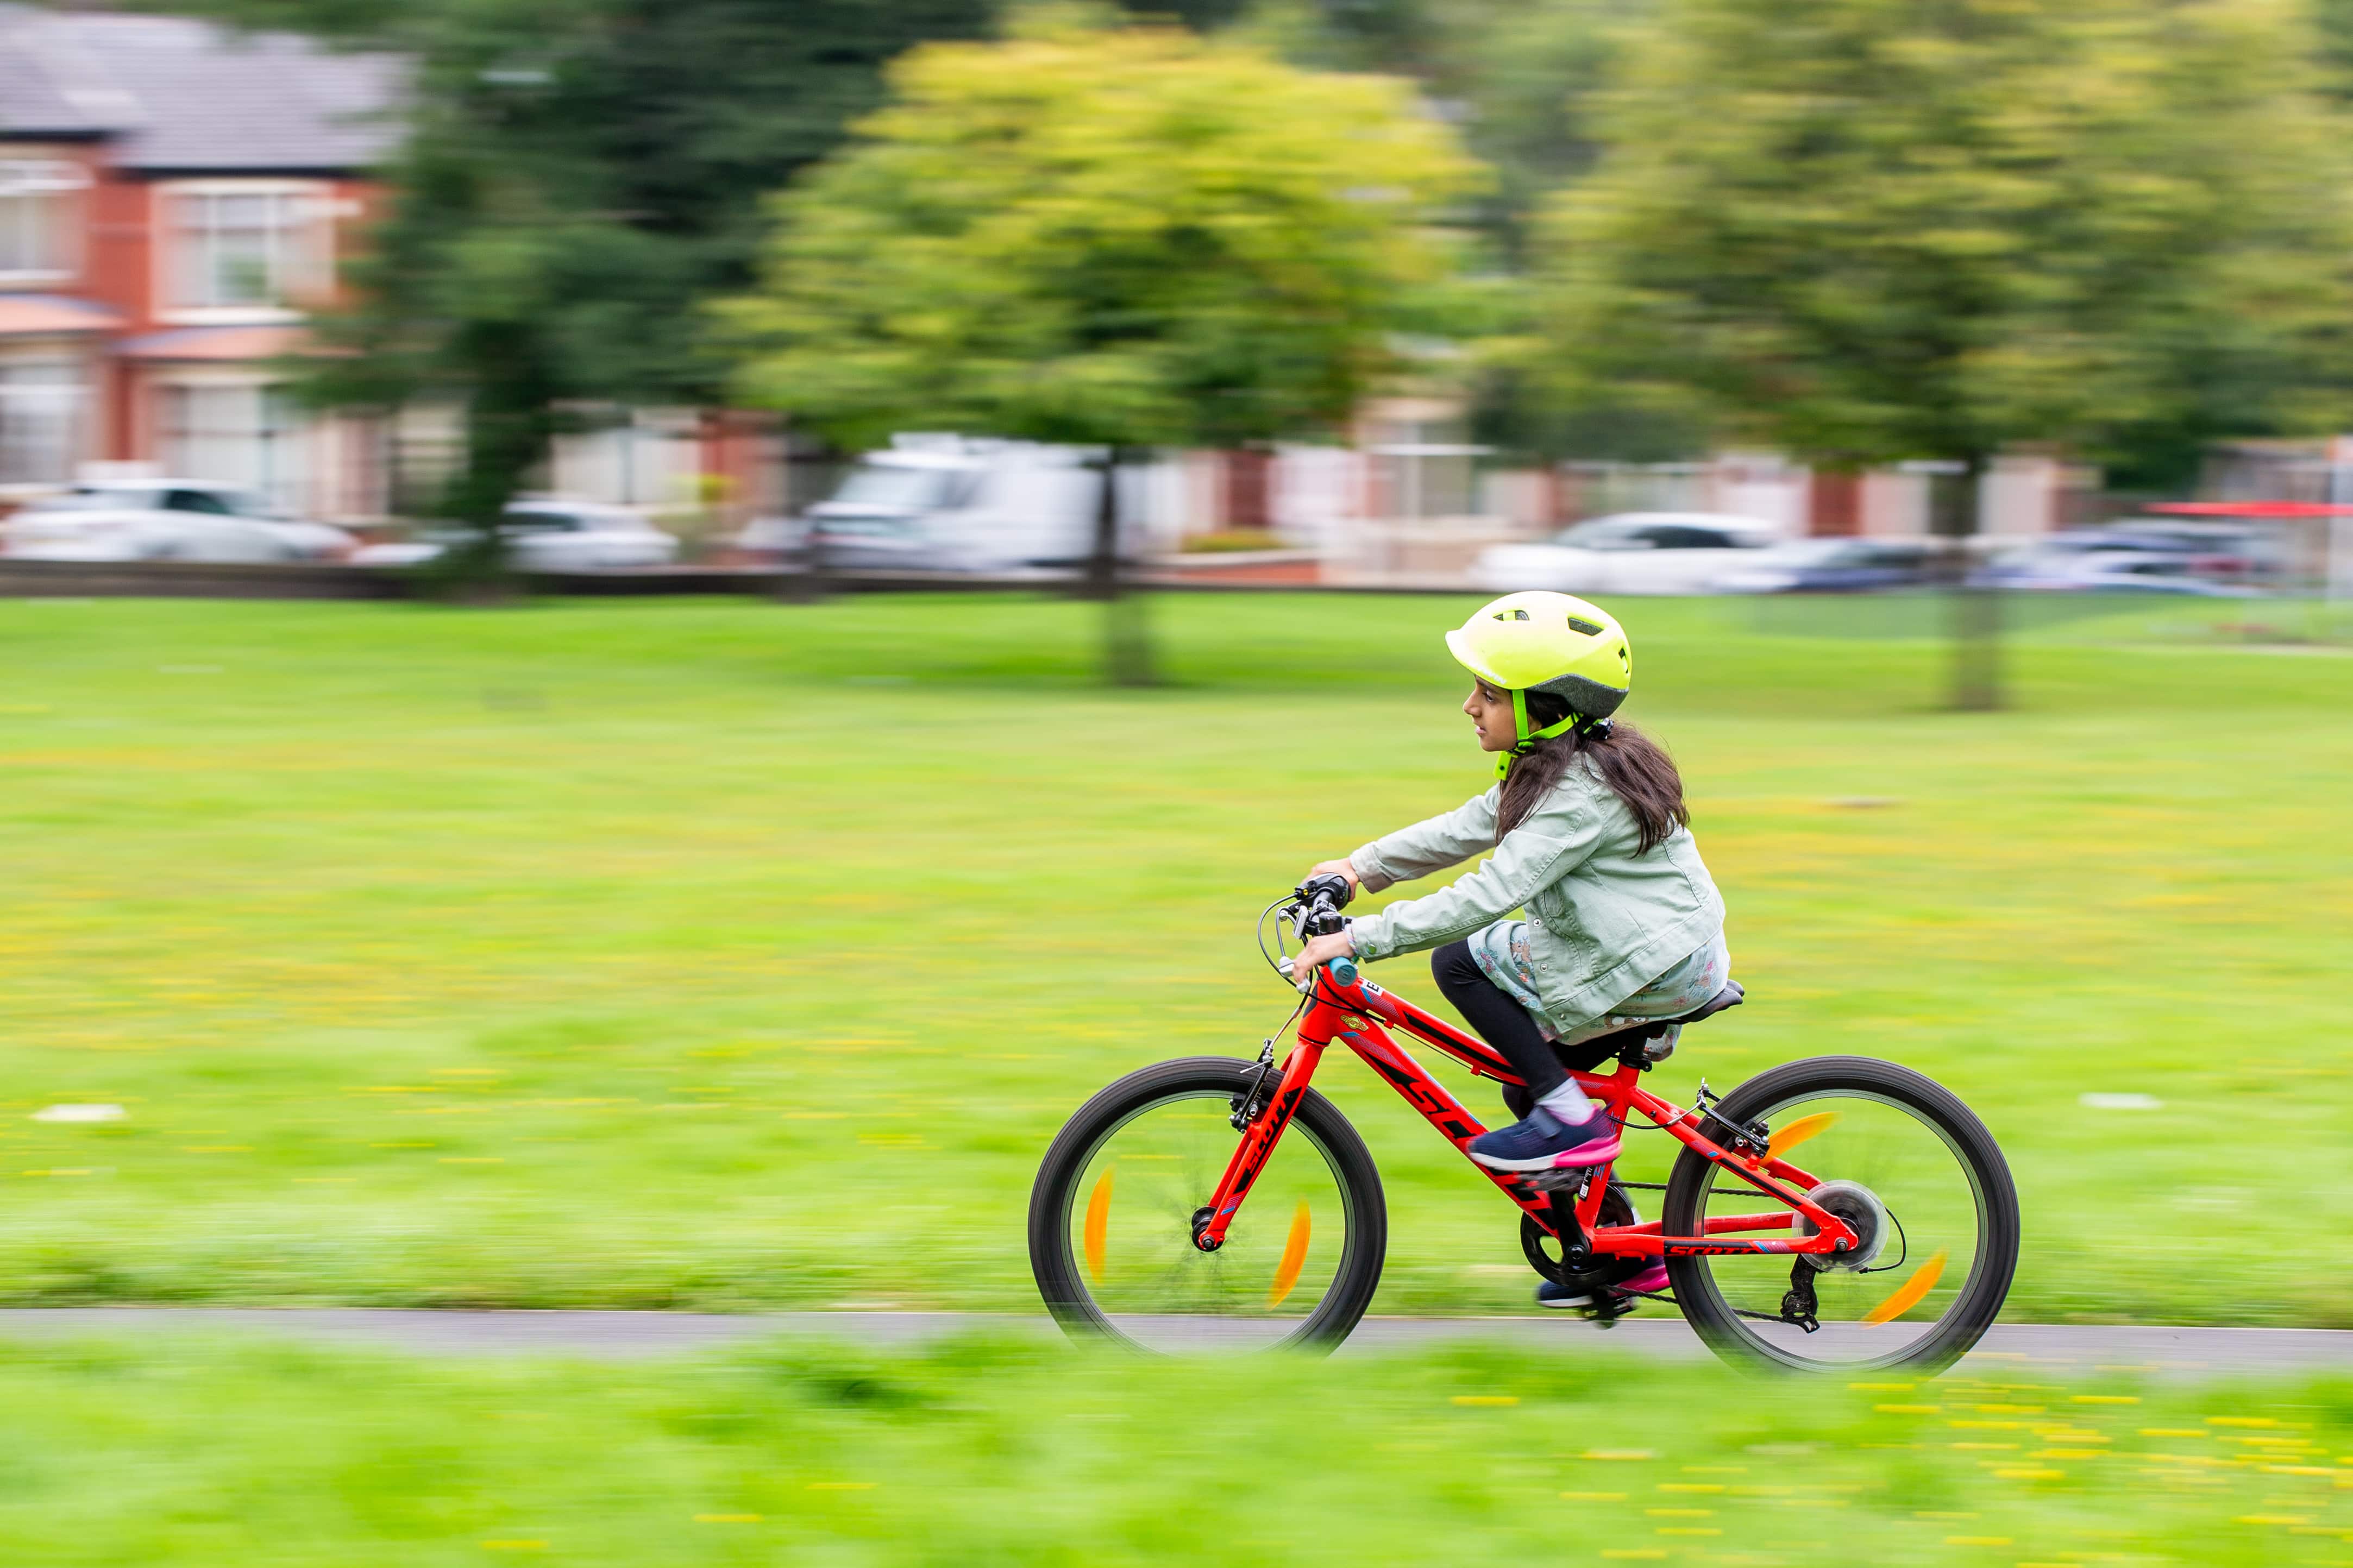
{"x": 165, "y": 520}
{"x": 548, "y": 534}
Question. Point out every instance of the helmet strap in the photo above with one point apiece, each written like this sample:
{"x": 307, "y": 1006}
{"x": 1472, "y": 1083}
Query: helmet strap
{"x": 1527, "y": 738}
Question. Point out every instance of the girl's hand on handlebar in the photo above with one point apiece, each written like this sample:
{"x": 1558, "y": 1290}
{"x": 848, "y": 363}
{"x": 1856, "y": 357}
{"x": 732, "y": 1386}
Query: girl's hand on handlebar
{"x": 1333, "y": 868}
{"x": 1323, "y": 950}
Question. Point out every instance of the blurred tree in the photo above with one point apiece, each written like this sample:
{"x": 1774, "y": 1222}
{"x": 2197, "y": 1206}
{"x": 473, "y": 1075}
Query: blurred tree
{"x": 1866, "y": 230}
{"x": 1117, "y": 236}
{"x": 579, "y": 174}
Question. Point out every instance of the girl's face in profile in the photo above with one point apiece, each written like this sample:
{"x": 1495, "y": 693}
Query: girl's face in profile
{"x": 1491, "y": 715}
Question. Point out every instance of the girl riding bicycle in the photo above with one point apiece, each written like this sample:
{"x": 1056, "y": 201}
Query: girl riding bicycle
{"x": 1590, "y": 838}
{"x": 1833, "y": 1214}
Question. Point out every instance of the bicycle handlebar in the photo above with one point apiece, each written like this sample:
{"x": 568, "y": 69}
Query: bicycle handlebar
{"x": 1317, "y": 913}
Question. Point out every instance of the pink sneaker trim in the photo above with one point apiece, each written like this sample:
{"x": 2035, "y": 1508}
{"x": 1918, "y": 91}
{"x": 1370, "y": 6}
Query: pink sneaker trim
{"x": 1654, "y": 1278}
{"x": 1600, "y": 1151}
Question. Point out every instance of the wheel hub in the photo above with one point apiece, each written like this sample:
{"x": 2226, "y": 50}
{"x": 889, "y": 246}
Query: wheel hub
{"x": 1859, "y": 1208}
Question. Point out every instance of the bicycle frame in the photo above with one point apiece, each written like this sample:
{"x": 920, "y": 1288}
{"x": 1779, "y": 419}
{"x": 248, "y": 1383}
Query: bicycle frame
{"x": 1361, "y": 1017}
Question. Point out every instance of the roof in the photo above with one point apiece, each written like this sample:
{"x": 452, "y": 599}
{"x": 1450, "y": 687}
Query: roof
{"x": 174, "y": 94}
{"x": 46, "y": 315}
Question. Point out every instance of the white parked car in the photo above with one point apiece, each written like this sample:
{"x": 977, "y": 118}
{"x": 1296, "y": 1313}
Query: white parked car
{"x": 549, "y": 534}
{"x": 1630, "y": 553}
{"x": 165, "y": 520}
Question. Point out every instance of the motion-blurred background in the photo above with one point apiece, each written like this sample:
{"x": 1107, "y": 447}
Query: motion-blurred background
{"x": 637, "y": 642}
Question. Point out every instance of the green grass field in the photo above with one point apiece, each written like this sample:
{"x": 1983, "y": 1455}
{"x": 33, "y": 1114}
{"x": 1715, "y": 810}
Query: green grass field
{"x": 1005, "y": 1451}
{"x": 729, "y": 954}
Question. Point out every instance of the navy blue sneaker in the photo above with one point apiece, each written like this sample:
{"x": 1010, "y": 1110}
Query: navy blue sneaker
{"x": 1545, "y": 1143}
{"x": 1552, "y": 1293}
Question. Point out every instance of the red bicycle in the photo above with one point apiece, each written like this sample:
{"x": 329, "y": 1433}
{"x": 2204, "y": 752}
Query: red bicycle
{"x": 1211, "y": 1202}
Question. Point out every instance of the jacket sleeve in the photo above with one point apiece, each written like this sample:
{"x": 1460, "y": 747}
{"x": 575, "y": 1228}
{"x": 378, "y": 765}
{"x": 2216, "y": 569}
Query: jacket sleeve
{"x": 1548, "y": 847}
{"x": 1443, "y": 840}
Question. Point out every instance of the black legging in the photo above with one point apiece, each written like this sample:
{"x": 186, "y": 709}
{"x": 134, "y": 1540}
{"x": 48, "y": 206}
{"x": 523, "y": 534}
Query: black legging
{"x": 1501, "y": 1022}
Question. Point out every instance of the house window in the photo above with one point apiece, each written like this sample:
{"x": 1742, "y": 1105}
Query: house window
{"x": 40, "y": 421}
{"x": 240, "y": 433}
{"x": 40, "y": 211}
{"x": 245, "y": 249}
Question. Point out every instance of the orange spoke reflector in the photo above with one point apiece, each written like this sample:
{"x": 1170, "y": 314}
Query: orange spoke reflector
{"x": 1788, "y": 1138}
{"x": 1294, "y": 1255}
{"x": 1098, "y": 1222}
{"x": 1907, "y": 1296}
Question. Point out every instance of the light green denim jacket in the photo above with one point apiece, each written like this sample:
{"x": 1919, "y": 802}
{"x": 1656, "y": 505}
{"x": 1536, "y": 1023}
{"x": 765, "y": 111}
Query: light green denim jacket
{"x": 1604, "y": 921}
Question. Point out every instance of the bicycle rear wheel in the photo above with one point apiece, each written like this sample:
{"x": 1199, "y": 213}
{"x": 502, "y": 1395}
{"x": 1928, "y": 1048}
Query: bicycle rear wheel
{"x": 1111, "y": 1219}
{"x": 1903, "y": 1161}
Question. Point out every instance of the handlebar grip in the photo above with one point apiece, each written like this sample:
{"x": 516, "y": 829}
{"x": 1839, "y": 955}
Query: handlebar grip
{"x": 1344, "y": 970}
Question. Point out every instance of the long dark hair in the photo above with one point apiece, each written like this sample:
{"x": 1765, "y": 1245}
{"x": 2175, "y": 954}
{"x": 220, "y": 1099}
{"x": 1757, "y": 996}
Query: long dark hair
{"x": 1636, "y": 768}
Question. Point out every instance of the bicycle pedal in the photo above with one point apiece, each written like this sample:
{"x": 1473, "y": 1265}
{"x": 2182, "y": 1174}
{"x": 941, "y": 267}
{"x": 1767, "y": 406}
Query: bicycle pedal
{"x": 1606, "y": 1310}
{"x": 1571, "y": 1180}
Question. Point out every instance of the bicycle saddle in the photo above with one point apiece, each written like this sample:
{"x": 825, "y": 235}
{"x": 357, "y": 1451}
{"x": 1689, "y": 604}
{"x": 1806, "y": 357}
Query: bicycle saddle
{"x": 1732, "y": 995}
{"x": 1587, "y": 1055}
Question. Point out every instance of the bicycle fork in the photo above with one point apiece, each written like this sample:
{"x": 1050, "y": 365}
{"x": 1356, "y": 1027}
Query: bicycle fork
{"x": 1257, "y": 1147}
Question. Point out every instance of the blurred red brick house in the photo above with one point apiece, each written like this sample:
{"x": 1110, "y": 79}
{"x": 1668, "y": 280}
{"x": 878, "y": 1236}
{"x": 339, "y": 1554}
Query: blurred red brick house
{"x": 172, "y": 196}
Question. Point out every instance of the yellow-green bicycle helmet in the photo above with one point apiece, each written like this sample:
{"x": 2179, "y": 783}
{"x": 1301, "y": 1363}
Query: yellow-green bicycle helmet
{"x": 1547, "y": 642}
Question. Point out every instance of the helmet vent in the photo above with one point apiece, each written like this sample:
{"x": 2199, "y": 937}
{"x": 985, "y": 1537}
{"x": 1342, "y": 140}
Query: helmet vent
{"x": 1519, "y": 615}
{"x": 1578, "y": 623}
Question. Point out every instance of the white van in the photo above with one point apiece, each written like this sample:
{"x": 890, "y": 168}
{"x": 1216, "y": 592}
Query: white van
{"x": 954, "y": 503}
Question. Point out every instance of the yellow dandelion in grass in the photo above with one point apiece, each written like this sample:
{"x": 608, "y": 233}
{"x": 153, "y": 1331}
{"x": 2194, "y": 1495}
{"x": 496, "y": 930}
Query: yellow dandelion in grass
{"x": 2104, "y": 1399}
{"x": 1486, "y": 1399}
{"x": 1629, "y": 1454}
{"x": 2025, "y": 1473}
{"x": 2271, "y": 1518}
{"x": 1909, "y": 1409}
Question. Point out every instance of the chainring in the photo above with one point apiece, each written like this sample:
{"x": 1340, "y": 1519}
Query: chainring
{"x": 1616, "y": 1208}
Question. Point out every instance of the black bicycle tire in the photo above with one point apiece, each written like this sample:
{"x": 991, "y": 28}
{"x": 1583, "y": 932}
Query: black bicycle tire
{"x": 1056, "y": 1270}
{"x": 1724, "y": 1332}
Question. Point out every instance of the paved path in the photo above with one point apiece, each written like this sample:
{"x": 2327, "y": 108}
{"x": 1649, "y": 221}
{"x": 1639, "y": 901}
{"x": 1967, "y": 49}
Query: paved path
{"x": 2180, "y": 1352}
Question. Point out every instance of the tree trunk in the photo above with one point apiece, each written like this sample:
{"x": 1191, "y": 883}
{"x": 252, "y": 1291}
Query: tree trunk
{"x": 804, "y": 576}
{"x": 510, "y": 419}
{"x": 1973, "y": 610}
{"x": 1127, "y": 628}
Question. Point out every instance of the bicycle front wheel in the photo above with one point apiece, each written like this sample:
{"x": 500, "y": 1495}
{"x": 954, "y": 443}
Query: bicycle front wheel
{"x": 1111, "y": 1216}
{"x": 1901, "y": 1160}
